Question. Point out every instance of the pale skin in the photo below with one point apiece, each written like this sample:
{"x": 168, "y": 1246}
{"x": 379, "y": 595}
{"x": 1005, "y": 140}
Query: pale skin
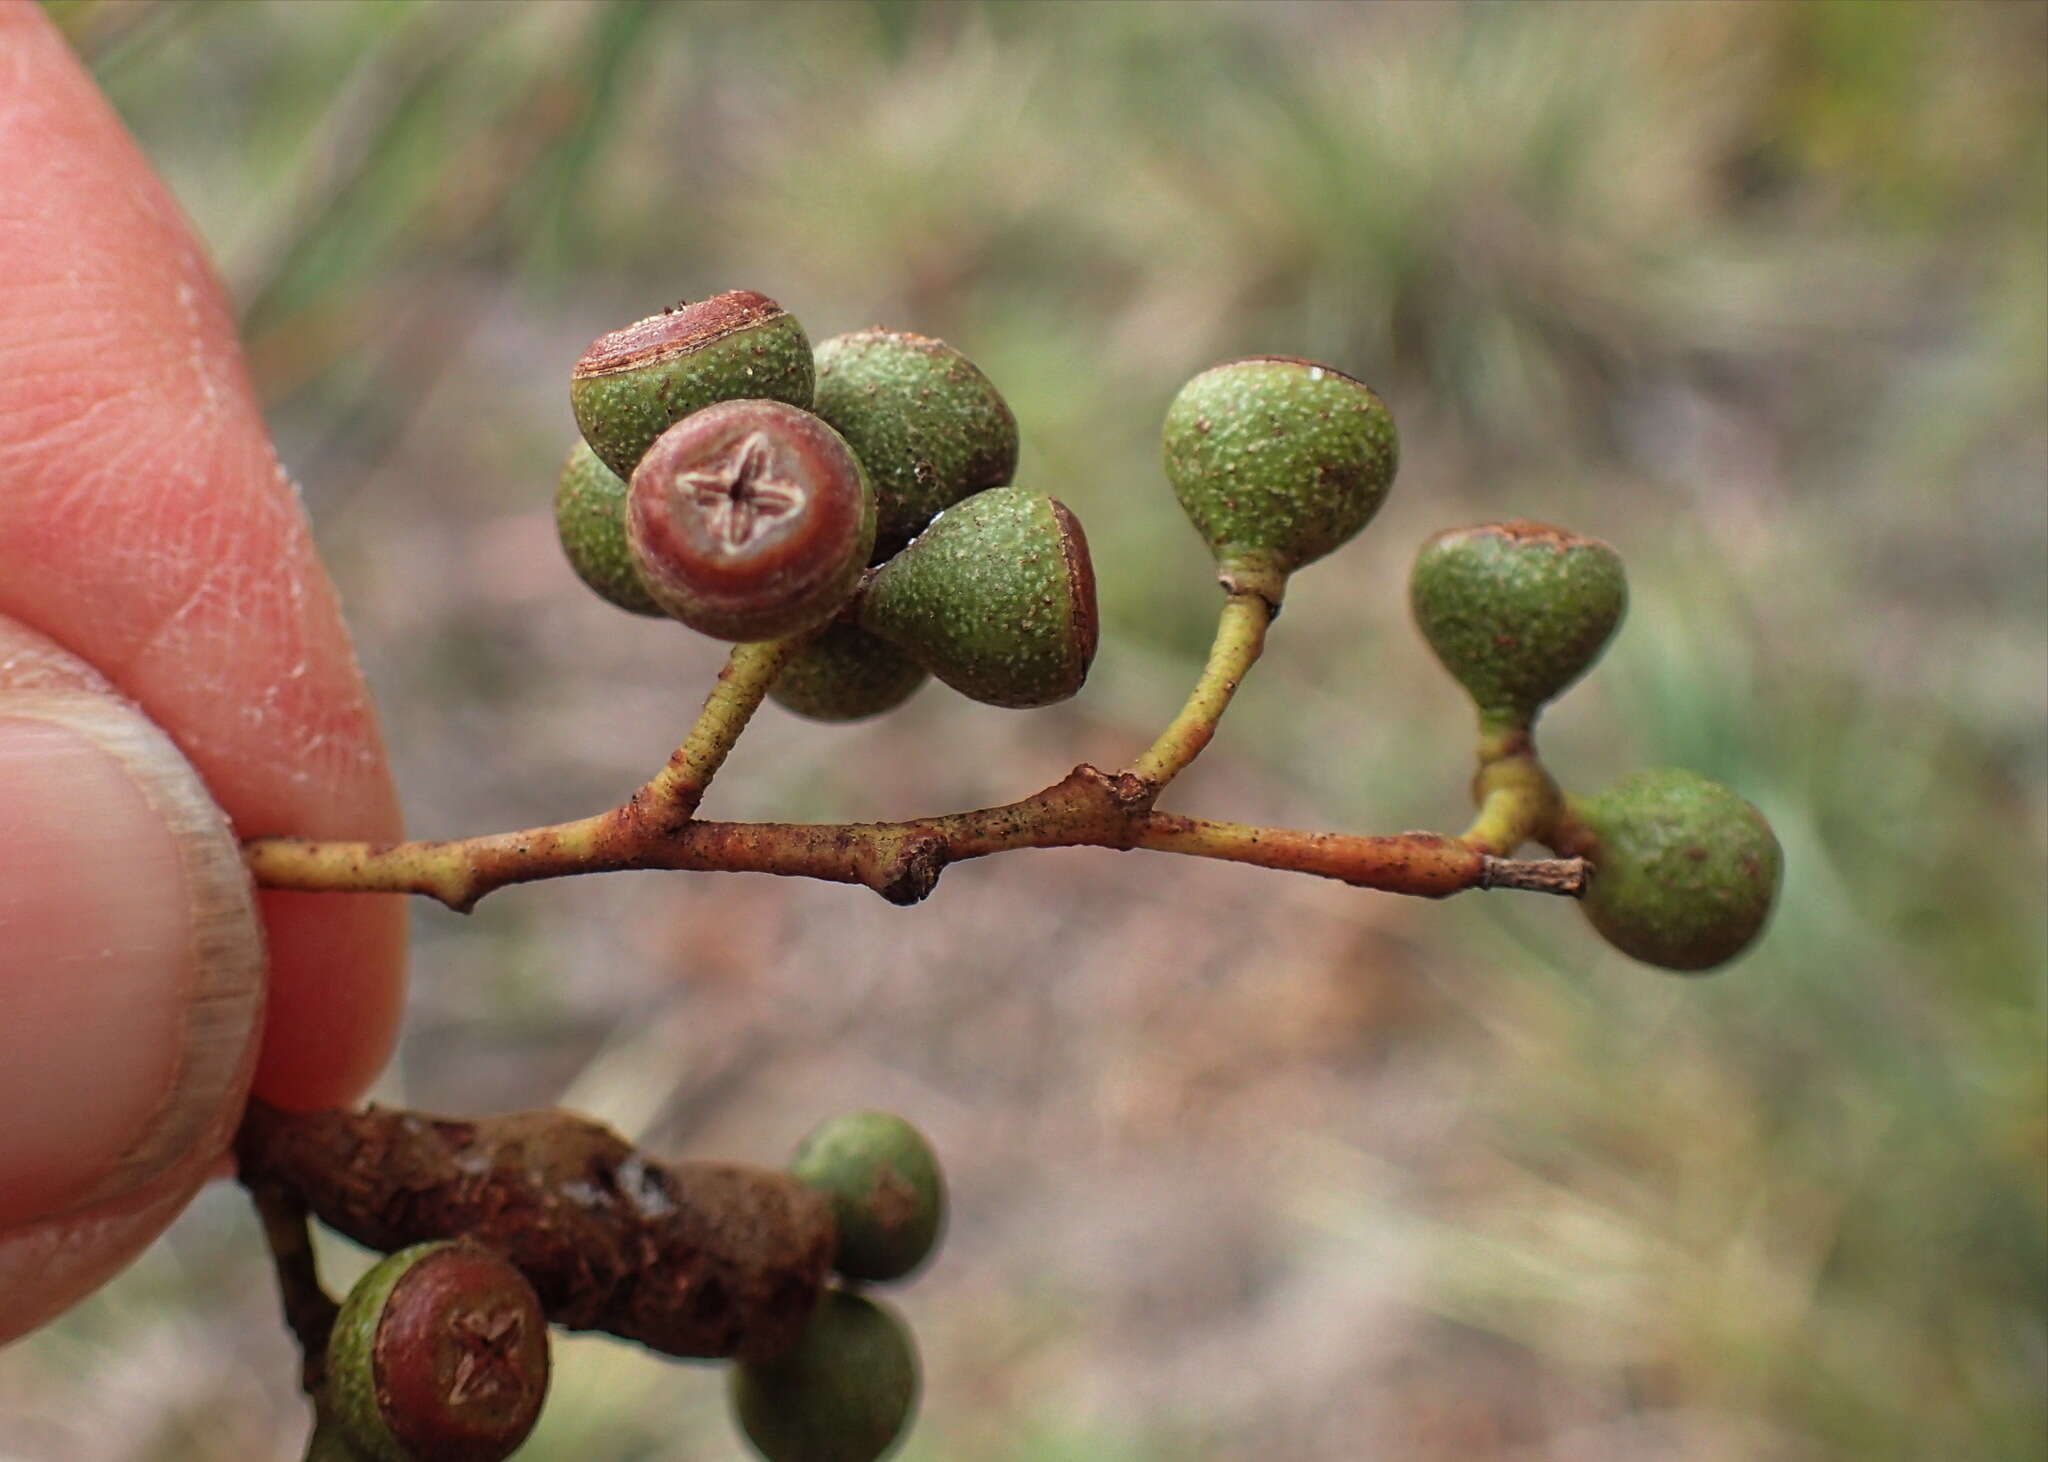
{"x": 155, "y": 569}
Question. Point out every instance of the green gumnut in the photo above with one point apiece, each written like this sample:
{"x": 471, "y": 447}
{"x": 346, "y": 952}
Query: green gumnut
{"x": 631, "y": 385}
{"x": 1516, "y": 611}
{"x": 1685, "y": 870}
{"x": 439, "y": 1354}
{"x": 928, "y": 425}
{"x": 888, "y": 1196}
{"x": 590, "y": 520}
{"x": 1277, "y": 461}
{"x": 844, "y": 1394}
{"x": 846, "y": 674}
{"x": 996, "y": 598}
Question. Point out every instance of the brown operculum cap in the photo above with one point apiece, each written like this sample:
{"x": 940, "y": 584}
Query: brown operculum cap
{"x": 743, "y": 510}
{"x": 675, "y": 331}
{"x": 461, "y": 1356}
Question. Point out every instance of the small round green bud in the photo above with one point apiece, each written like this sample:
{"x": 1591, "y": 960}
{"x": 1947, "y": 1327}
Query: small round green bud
{"x": 439, "y": 1354}
{"x": 750, "y": 520}
{"x": 590, "y": 520}
{"x": 631, "y": 385}
{"x": 930, "y": 428}
{"x": 1277, "y": 461}
{"x": 996, "y": 598}
{"x": 887, "y": 1193}
{"x": 1516, "y": 611}
{"x": 846, "y": 674}
{"x": 1685, "y": 871}
{"x": 844, "y": 1394}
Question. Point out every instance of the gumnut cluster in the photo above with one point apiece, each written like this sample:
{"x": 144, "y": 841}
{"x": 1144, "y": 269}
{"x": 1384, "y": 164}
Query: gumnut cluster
{"x": 856, "y": 495}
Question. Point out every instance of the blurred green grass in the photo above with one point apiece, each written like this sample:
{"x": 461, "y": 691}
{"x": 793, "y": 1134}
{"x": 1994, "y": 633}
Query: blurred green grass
{"x": 1757, "y": 292}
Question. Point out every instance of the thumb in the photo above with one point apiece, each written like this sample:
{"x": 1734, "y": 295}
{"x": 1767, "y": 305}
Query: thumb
{"x": 131, "y": 973}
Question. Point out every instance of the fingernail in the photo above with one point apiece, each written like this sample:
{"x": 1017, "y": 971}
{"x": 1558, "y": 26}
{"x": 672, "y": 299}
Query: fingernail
{"x": 131, "y": 962}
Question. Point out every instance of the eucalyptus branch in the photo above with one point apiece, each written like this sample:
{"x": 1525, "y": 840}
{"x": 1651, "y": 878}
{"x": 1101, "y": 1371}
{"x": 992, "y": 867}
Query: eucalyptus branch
{"x": 901, "y": 861}
{"x": 844, "y": 516}
{"x": 459, "y": 873}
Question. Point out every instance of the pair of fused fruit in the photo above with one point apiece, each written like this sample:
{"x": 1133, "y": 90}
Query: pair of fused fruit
{"x": 736, "y": 480}
{"x": 440, "y": 1351}
{"x": 1685, "y": 870}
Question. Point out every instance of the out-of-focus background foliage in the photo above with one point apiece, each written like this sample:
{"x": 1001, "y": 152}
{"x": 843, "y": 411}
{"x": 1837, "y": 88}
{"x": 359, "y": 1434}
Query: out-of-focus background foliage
{"x": 1244, "y": 1164}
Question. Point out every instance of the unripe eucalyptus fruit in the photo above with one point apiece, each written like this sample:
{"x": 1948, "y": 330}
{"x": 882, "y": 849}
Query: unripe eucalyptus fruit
{"x": 844, "y": 1394}
{"x": 1684, "y": 870}
{"x": 439, "y": 1354}
{"x": 590, "y": 520}
{"x": 843, "y": 673}
{"x": 996, "y": 598}
{"x": 1277, "y": 461}
{"x": 633, "y": 384}
{"x": 750, "y": 520}
{"x": 888, "y": 1196}
{"x": 1516, "y": 611}
{"x": 930, "y": 428}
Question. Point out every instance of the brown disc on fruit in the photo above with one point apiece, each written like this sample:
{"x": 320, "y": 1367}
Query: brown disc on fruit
{"x": 633, "y": 384}
{"x": 440, "y": 1352}
{"x": 750, "y": 520}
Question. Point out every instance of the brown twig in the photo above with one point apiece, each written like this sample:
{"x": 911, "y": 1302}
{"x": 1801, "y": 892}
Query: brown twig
{"x": 308, "y": 1310}
{"x": 692, "y": 1259}
{"x": 657, "y": 828}
{"x": 899, "y": 860}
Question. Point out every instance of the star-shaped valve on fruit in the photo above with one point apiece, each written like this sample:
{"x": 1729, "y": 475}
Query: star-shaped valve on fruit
{"x": 740, "y": 492}
{"x": 750, "y": 520}
{"x": 490, "y": 1360}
